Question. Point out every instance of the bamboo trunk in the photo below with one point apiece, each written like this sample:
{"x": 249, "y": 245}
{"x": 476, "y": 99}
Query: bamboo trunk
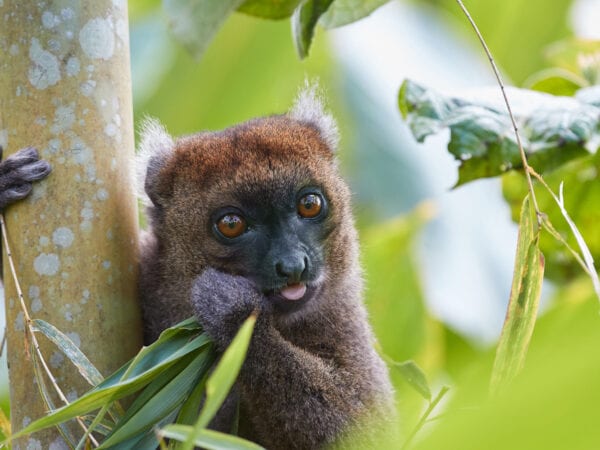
{"x": 65, "y": 89}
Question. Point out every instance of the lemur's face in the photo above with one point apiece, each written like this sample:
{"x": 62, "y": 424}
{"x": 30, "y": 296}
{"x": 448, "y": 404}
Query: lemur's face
{"x": 266, "y": 204}
{"x": 276, "y": 237}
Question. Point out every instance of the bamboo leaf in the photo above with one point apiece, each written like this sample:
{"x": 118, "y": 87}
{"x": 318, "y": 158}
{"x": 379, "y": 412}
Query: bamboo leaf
{"x": 304, "y": 21}
{"x": 157, "y": 404}
{"x": 414, "y": 376}
{"x": 269, "y": 9}
{"x": 171, "y": 346}
{"x": 343, "y": 12}
{"x": 523, "y": 304}
{"x": 87, "y": 370}
{"x": 189, "y": 410}
{"x": 209, "y": 439}
{"x": 220, "y": 382}
{"x": 195, "y": 22}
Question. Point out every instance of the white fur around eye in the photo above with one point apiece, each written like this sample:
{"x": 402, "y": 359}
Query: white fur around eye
{"x": 309, "y": 108}
{"x": 154, "y": 148}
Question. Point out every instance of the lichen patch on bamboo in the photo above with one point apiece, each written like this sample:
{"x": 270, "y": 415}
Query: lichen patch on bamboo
{"x": 47, "y": 264}
{"x": 20, "y": 322}
{"x": 4, "y": 138}
{"x": 97, "y": 39}
{"x": 36, "y": 305}
{"x": 50, "y": 20}
{"x": 44, "y": 70}
{"x": 63, "y": 237}
{"x": 102, "y": 194}
{"x": 58, "y": 444}
{"x": 56, "y": 360}
{"x": 64, "y": 118}
{"x": 73, "y": 66}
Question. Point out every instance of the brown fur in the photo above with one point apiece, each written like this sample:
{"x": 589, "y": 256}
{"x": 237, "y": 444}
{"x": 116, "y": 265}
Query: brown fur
{"x": 309, "y": 375}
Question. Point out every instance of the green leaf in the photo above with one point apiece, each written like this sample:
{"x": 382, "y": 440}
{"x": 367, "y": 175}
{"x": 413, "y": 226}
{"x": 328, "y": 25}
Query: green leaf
{"x": 209, "y": 439}
{"x": 269, "y": 9}
{"x": 87, "y": 370}
{"x": 555, "y": 81}
{"x": 554, "y": 129}
{"x": 581, "y": 179}
{"x": 343, "y": 12}
{"x": 195, "y": 22}
{"x": 189, "y": 410}
{"x": 523, "y": 303}
{"x": 171, "y": 346}
{"x": 220, "y": 382}
{"x": 414, "y": 376}
{"x": 304, "y": 20}
{"x": 159, "y": 403}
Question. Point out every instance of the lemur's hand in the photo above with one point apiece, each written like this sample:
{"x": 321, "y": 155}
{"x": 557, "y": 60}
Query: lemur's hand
{"x": 18, "y": 172}
{"x": 222, "y": 302}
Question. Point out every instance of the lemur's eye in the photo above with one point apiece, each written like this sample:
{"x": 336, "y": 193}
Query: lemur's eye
{"x": 231, "y": 225}
{"x": 310, "y": 205}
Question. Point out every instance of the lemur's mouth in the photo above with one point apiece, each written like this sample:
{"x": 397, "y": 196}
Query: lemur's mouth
{"x": 293, "y": 291}
{"x": 292, "y": 297}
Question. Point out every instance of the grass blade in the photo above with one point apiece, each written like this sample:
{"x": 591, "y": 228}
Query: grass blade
{"x": 87, "y": 370}
{"x": 523, "y": 304}
{"x": 221, "y": 380}
{"x": 189, "y": 410}
{"x": 160, "y": 404}
{"x": 132, "y": 377}
{"x": 209, "y": 439}
{"x": 415, "y": 377}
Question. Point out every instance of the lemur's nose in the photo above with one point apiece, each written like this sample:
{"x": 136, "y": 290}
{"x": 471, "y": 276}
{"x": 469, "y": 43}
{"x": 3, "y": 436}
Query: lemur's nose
{"x": 292, "y": 266}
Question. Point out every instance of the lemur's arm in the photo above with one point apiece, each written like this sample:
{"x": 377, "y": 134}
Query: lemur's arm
{"x": 309, "y": 398}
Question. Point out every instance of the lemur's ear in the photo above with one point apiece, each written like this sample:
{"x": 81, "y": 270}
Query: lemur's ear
{"x": 154, "y": 150}
{"x": 308, "y": 108}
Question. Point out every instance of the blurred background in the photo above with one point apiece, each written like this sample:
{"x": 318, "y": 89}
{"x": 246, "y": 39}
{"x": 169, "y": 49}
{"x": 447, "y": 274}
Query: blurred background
{"x": 438, "y": 261}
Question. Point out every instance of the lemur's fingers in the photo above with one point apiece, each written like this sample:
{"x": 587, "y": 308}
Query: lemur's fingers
{"x": 34, "y": 171}
{"x": 21, "y": 158}
{"x": 14, "y": 193}
{"x": 17, "y": 172}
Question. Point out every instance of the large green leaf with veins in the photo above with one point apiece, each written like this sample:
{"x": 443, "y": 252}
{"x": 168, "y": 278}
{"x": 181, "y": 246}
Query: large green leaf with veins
{"x": 554, "y": 130}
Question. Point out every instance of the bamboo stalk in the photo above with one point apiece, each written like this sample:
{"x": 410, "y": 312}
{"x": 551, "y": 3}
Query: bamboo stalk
{"x": 65, "y": 89}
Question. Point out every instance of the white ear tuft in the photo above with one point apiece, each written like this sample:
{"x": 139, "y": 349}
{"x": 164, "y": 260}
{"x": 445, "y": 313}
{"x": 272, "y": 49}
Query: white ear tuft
{"x": 154, "y": 148}
{"x": 308, "y": 108}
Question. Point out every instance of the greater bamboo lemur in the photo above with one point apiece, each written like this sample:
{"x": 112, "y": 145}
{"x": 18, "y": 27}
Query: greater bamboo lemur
{"x": 257, "y": 217}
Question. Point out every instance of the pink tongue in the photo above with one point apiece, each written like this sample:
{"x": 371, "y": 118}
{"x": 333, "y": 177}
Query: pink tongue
{"x": 294, "y": 291}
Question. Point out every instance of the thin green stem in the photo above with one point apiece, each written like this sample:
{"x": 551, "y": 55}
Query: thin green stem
{"x": 425, "y": 416}
{"x": 588, "y": 260}
{"x": 526, "y": 166}
{"x": 95, "y": 422}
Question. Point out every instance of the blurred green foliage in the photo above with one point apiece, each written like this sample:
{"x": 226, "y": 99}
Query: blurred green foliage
{"x": 251, "y": 69}
{"x": 517, "y": 31}
{"x": 554, "y": 402}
